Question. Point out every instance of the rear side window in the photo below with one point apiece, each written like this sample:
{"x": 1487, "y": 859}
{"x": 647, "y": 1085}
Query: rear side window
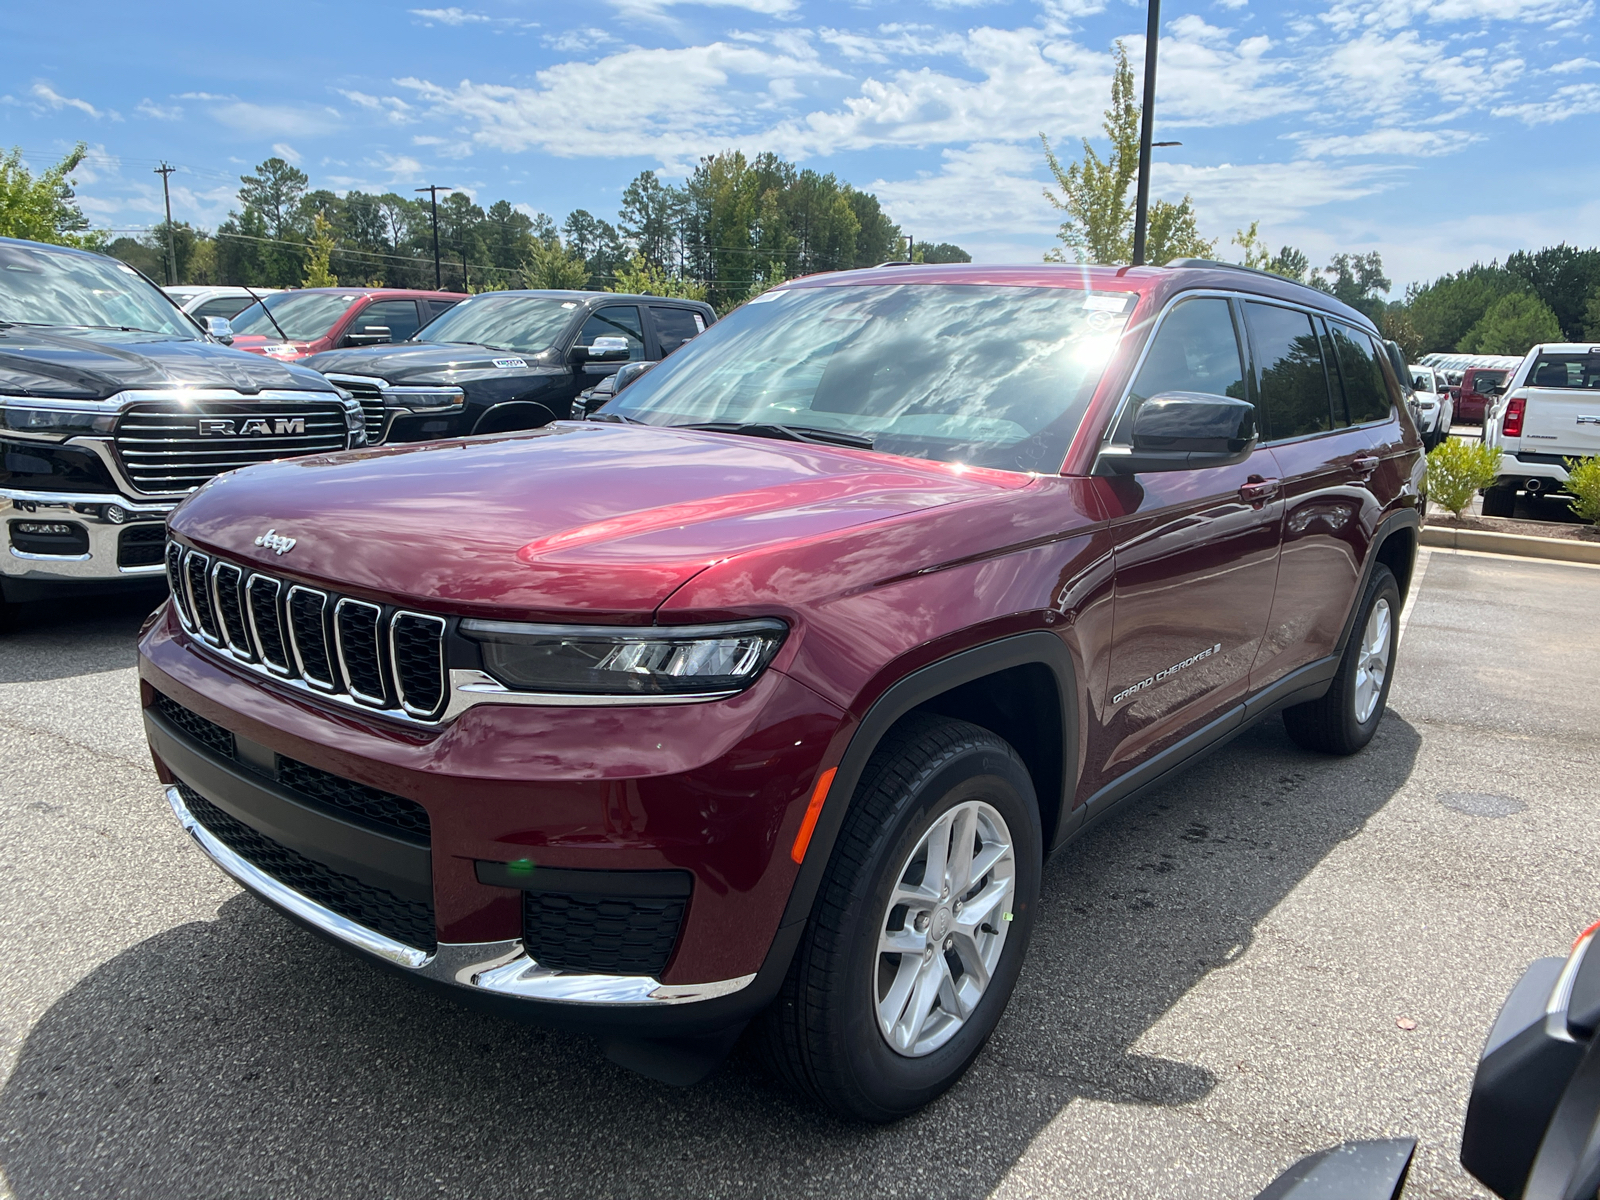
{"x": 1366, "y": 397}
{"x": 1292, "y": 383}
{"x": 617, "y": 320}
{"x": 675, "y": 326}
{"x": 1195, "y": 350}
{"x": 221, "y": 306}
{"x": 1566, "y": 371}
{"x": 398, "y": 318}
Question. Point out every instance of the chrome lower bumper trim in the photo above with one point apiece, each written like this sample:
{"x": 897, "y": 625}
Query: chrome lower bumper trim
{"x": 80, "y": 508}
{"x": 501, "y": 968}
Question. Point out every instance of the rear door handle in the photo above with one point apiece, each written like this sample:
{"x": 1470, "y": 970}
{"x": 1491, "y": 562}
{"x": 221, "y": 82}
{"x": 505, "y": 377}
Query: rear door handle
{"x": 1364, "y": 466}
{"x": 1258, "y": 491}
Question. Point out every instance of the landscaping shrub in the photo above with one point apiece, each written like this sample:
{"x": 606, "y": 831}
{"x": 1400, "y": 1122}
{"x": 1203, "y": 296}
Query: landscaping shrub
{"x": 1457, "y": 470}
{"x": 1583, "y": 481}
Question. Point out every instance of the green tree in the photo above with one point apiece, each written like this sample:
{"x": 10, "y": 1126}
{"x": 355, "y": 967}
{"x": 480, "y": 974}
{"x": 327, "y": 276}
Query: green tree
{"x": 1591, "y": 319}
{"x": 43, "y": 207}
{"x": 551, "y": 266}
{"x": 1288, "y": 262}
{"x": 1514, "y": 324}
{"x": 597, "y": 241}
{"x": 317, "y": 273}
{"x": 1397, "y": 328}
{"x": 649, "y": 218}
{"x": 1094, "y": 193}
{"x": 1445, "y": 309}
{"x": 943, "y": 252}
{"x": 638, "y": 277}
{"x": 1356, "y": 280}
{"x": 1563, "y": 277}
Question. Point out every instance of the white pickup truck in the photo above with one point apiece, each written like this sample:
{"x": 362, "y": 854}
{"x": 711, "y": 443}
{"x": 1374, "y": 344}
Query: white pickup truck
{"x": 1549, "y": 412}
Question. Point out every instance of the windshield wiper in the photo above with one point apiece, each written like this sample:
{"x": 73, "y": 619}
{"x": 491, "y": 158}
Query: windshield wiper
{"x": 481, "y": 346}
{"x": 251, "y": 293}
{"x": 786, "y": 433}
{"x": 623, "y": 418}
{"x": 67, "y": 325}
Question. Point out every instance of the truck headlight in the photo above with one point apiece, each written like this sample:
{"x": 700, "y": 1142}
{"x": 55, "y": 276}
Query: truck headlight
{"x": 618, "y": 661}
{"x": 423, "y": 397}
{"x": 53, "y": 420}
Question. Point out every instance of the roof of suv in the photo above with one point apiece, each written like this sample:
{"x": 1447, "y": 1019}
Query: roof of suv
{"x": 1159, "y": 282}
{"x": 594, "y": 298}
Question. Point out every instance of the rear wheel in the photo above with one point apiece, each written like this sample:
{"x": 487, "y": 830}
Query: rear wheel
{"x": 920, "y": 925}
{"x": 1499, "y": 501}
{"x": 1344, "y": 720}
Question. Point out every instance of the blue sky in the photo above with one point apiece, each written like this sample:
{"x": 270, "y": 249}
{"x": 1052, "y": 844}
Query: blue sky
{"x": 1433, "y": 131}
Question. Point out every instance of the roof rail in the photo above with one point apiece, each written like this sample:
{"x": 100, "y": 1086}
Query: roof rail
{"x": 899, "y": 262}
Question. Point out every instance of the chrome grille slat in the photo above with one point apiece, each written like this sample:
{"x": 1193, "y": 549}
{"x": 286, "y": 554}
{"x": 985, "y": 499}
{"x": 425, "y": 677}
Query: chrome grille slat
{"x": 352, "y": 652}
{"x": 308, "y": 636}
{"x": 162, "y": 449}
{"x": 356, "y": 634}
{"x": 266, "y": 623}
{"x": 225, "y": 583}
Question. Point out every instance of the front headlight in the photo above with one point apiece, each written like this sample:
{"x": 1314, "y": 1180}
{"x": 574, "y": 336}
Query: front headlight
{"x": 619, "y": 661}
{"x": 54, "y": 420}
{"x": 423, "y": 397}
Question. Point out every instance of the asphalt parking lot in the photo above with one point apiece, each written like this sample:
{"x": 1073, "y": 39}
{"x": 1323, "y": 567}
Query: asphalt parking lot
{"x": 1214, "y": 988}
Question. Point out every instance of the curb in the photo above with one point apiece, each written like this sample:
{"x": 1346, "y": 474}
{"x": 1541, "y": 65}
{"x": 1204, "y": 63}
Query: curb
{"x": 1557, "y": 549}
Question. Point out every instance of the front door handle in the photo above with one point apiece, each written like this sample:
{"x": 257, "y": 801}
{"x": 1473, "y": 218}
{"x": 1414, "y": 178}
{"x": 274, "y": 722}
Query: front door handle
{"x": 1259, "y": 491}
{"x": 1363, "y": 466}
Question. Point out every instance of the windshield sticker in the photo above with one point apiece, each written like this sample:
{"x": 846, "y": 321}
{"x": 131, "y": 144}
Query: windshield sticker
{"x": 570, "y": 304}
{"x": 510, "y": 363}
{"x": 699, "y": 323}
{"x": 1102, "y": 303}
{"x": 1159, "y": 676}
{"x": 766, "y": 296}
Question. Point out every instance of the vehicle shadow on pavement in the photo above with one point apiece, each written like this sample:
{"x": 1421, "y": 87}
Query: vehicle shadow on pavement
{"x": 242, "y": 1056}
{"x": 80, "y": 635}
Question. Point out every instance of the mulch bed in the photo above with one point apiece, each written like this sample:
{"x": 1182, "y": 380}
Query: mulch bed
{"x": 1547, "y": 529}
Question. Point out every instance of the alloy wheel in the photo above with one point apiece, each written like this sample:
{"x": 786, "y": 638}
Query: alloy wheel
{"x": 1372, "y": 667}
{"x": 945, "y": 928}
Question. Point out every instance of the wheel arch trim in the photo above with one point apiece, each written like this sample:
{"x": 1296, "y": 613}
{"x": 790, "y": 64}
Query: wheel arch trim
{"x": 1034, "y": 648}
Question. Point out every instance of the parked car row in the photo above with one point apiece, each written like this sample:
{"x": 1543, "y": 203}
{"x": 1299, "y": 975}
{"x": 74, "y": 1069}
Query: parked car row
{"x": 1431, "y": 405}
{"x": 1471, "y": 380}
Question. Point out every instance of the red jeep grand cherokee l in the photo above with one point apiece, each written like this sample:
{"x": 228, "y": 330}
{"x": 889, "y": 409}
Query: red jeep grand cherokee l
{"x": 765, "y": 694}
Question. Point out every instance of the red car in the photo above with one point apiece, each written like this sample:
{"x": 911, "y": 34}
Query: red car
{"x": 764, "y": 694}
{"x": 297, "y": 324}
{"x": 1479, "y": 388}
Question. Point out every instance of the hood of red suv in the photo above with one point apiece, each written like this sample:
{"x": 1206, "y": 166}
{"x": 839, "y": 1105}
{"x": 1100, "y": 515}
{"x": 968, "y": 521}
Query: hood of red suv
{"x": 598, "y": 521}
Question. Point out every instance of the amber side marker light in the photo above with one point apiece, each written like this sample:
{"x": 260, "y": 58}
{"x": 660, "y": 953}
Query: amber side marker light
{"x": 808, "y": 824}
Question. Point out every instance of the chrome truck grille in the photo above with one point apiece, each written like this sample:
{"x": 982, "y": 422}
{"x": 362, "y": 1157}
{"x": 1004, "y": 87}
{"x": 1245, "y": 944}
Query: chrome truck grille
{"x": 371, "y": 656}
{"x": 369, "y": 394}
{"x": 174, "y": 446}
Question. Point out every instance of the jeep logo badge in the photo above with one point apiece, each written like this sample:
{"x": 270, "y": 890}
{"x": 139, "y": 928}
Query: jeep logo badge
{"x": 276, "y": 542}
{"x": 251, "y": 426}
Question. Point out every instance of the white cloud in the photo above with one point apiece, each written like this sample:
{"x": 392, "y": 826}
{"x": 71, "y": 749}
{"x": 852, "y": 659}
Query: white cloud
{"x": 1571, "y": 65}
{"x": 981, "y": 188}
{"x": 395, "y": 109}
{"x": 1407, "y": 143}
{"x": 657, "y": 8}
{"x": 1346, "y": 15}
{"x": 287, "y": 152}
{"x": 47, "y": 95}
{"x": 1574, "y": 100}
{"x": 448, "y": 16}
{"x": 159, "y": 112}
{"x": 577, "y": 41}
{"x": 1229, "y": 196}
{"x": 276, "y": 120}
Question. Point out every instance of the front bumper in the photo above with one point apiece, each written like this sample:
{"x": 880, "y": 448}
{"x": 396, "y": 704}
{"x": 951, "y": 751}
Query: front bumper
{"x": 501, "y": 968}
{"x": 109, "y": 542}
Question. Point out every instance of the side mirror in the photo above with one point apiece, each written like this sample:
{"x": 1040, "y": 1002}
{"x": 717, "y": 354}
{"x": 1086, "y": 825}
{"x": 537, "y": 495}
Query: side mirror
{"x": 220, "y": 328}
{"x": 1187, "y": 431}
{"x": 370, "y": 335}
{"x": 603, "y": 349}
{"x": 628, "y": 373}
{"x": 1492, "y": 389}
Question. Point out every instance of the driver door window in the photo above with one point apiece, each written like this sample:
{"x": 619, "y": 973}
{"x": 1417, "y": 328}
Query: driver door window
{"x": 1195, "y": 350}
{"x": 617, "y": 320}
{"x": 397, "y": 318}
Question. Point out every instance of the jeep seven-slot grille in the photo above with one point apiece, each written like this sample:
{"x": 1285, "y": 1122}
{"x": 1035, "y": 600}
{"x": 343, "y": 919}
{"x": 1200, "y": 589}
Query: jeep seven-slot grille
{"x": 408, "y": 921}
{"x": 384, "y": 811}
{"x": 367, "y": 654}
{"x": 175, "y": 447}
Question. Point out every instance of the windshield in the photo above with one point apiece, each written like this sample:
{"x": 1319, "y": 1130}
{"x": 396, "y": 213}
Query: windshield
{"x": 1423, "y": 380}
{"x": 39, "y": 286}
{"x": 304, "y": 316}
{"x": 503, "y": 321}
{"x": 986, "y": 375}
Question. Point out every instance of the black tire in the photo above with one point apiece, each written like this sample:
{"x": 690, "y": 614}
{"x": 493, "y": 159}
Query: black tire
{"x": 1499, "y": 501}
{"x": 1331, "y": 724}
{"x": 822, "y": 1035}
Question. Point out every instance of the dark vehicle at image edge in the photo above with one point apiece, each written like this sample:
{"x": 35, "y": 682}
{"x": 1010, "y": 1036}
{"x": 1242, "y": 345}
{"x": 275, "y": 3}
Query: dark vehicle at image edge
{"x": 763, "y": 695}
{"x": 113, "y": 407}
{"x": 507, "y": 360}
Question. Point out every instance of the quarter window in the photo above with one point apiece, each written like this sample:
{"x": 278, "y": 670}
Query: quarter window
{"x": 1195, "y": 350}
{"x": 1292, "y": 385}
{"x": 618, "y": 320}
{"x": 675, "y": 326}
{"x": 1366, "y": 395}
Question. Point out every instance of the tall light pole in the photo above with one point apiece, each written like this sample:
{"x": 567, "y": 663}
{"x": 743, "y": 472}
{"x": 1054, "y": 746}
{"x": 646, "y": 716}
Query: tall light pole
{"x": 433, "y": 190}
{"x": 172, "y": 253}
{"x": 1147, "y": 120}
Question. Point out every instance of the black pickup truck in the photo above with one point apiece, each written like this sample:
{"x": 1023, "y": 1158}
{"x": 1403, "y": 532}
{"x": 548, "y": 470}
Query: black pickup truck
{"x": 114, "y": 406}
{"x": 507, "y": 360}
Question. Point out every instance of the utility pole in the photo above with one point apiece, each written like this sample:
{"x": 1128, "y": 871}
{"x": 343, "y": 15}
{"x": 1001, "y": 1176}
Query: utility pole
{"x": 172, "y": 254}
{"x": 1147, "y": 120}
{"x": 433, "y": 190}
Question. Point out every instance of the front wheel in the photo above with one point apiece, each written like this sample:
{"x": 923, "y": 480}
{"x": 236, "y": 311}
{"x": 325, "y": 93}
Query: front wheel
{"x": 1344, "y": 720}
{"x": 920, "y": 927}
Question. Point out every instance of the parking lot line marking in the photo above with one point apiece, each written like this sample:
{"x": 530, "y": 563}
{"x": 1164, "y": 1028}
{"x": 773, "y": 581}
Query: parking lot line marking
{"x": 1516, "y": 558}
{"x": 1420, "y": 572}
